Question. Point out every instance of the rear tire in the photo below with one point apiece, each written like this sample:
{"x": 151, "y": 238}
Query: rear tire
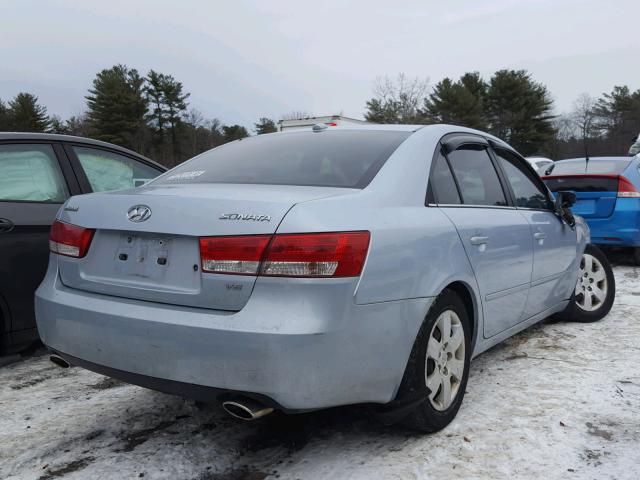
{"x": 439, "y": 361}
{"x": 636, "y": 255}
{"x": 595, "y": 290}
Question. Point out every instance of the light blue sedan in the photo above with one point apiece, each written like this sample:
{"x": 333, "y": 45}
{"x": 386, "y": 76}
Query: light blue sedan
{"x": 304, "y": 270}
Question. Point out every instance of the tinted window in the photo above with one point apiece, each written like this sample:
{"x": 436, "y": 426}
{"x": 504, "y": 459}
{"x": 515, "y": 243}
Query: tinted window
{"x": 527, "y": 193}
{"x": 31, "y": 173}
{"x": 347, "y": 158}
{"x": 582, "y": 184}
{"x": 581, "y": 166}
{"x": 111, "y": 171}
{"x": 442, "y": 183}
{"x": 477, "y": 178}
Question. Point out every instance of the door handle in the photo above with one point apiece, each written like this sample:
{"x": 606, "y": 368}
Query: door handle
{"x": 539, "y": 235}
{"x": 477, "y": 240}
{"x": 6, "y": 225}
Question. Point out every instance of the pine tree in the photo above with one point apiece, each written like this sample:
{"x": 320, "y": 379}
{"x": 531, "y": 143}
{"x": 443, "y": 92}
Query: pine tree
{"x": 25, "y": 115}
{"x": 234, "y": 132}
{"x": 4, "y": 116}
{"x": 117, "y": 107}
{"x": 265, "y": 125}
{"x": 519, "y": 111}
{"x": 458, "y": 103}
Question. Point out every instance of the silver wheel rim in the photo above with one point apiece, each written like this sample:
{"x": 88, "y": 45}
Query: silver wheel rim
{"x": 444, "y": 363}
{"x": 591, "y": 288}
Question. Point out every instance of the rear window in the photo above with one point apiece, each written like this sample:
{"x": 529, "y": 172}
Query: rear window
{"x": 582, "y": 184}
{"x": 594, "y": 166}
{"x": 347, "y": 158}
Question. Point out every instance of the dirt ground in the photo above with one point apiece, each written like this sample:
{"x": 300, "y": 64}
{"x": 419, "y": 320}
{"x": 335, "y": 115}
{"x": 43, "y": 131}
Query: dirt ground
{"x": 560, "y": 400}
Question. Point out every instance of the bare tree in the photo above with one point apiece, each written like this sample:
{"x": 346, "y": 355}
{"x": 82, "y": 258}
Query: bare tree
{"x": 397, "y": 100}
{"x": 583, "y": 117}
{"x": 296, "y": 115}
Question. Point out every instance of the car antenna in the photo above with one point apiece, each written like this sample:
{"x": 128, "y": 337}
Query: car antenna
{"x": 586, "y": 155}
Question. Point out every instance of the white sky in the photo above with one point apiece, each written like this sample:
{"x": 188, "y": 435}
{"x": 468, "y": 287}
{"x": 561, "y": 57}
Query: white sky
{"x": 245, "y": 59}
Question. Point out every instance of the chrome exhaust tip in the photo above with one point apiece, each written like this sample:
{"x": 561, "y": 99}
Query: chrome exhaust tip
{"x": 59, "y": 361}
{"x": 245, "y": 409}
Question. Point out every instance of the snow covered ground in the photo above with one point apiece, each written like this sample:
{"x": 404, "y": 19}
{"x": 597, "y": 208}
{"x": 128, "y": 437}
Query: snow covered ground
{"x": 560, "y": 400}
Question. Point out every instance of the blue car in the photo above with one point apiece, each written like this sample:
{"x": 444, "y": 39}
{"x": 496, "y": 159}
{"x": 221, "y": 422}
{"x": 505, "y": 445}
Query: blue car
{"x": 608, "y": 197}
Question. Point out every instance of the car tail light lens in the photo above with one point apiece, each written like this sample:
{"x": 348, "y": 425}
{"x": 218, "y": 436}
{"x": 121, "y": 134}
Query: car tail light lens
{"x": 317, "y": 255}
{"x": 239, "y": 255}
{"x": 626, "y": 189}
{"x": 340, "y": 254}
{"x": 70, "y": 240}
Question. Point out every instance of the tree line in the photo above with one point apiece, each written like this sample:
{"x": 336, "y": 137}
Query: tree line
{"x": 151, "y": 114}
{"x": 514, "y": 107}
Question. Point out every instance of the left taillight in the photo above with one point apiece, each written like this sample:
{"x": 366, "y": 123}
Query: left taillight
{"x": 70, "y": 240}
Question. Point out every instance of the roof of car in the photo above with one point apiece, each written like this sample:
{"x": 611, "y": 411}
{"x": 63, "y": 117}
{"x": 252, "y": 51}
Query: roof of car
{"x": 54, "y": 137}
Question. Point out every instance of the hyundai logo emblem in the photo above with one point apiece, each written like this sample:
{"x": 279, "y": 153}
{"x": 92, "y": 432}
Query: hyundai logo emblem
{"x": 139, "y": 213}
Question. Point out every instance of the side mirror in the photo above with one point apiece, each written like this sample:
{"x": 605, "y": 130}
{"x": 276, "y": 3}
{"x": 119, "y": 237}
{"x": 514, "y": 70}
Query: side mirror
{"x": 564, "y": 201}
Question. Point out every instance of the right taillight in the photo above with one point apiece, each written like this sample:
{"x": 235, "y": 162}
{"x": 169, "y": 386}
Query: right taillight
{"x": 336, "y": 254}
{"x": 70, "y": 240}
{"x": 626, "y": 188}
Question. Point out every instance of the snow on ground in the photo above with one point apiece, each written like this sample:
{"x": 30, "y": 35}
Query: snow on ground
{"x": 560, "y": 400}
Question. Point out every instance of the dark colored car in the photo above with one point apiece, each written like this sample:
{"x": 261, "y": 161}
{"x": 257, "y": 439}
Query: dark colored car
{"x": 38, "y": 172}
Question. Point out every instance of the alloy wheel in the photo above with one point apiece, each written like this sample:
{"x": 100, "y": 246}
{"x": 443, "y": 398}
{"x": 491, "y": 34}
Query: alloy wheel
{"x": 591, "y": 288}
{"x": 444, "y": 365}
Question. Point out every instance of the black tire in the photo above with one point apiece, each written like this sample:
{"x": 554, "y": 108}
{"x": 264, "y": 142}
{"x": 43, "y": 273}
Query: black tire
{"x": 636, "y": 255}
{"x": 425, "y": 417}
{"x": 574, "y": 312}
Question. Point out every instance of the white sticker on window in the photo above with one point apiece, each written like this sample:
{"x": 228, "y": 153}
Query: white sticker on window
{"x": 184, "y": 175}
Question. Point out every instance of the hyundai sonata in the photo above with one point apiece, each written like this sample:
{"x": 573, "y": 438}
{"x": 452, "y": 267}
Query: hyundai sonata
{"x": 303, "y": 270}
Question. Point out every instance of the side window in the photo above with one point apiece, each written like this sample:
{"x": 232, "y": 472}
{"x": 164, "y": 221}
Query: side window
{"x": 112, "y": 171}
{"x": 477, "y": 177}
{"x": 527, "y": 193}
{"x": 442, "y": 183}
{"x": 31, "y": 173}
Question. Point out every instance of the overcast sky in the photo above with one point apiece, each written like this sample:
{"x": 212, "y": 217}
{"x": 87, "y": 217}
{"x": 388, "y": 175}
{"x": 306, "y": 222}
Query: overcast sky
{"x": 245, "y": 59}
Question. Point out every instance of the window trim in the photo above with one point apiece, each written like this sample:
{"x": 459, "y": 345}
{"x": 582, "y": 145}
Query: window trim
{"x": 529, "y": 172}
{"x": 65, "y": 171}
{"x": 83, "y": 180}
{"x": 459, "y": 140}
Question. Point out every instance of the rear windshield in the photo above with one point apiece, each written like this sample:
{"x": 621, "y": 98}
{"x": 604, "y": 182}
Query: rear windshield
{"x": 615, "y": 167}
{"x": 347, "y": 158}
{"x": 582, "y": 184}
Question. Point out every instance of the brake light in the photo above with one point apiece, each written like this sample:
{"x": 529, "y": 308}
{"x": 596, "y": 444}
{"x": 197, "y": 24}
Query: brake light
{"x": 626, "y": 189}
{"x": 317, "y": 255}
{"x": 339, "y": 254}
{"x": 237, "y": 255}
{"x": 70, "y": 240}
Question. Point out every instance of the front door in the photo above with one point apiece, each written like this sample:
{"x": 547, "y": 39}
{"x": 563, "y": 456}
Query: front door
{"x": 496, "y": 238}
{"x": 554, "y": 241}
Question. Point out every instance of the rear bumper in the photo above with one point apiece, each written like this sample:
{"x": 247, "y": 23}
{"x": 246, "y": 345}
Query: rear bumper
{"x": 300, "y": 347}
{"x": 622, "y": 228}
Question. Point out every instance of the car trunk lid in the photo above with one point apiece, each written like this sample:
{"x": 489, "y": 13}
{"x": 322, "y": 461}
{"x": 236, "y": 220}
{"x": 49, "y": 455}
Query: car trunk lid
{"x": 158, "y": 259}
{"x": 596, "y": 195}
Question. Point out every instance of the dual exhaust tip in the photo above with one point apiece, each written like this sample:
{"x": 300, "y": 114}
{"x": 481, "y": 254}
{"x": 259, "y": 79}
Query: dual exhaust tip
{"x": 242, "y": 408}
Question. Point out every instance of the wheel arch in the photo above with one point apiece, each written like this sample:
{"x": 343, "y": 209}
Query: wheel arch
{"x": 472, "y": 306}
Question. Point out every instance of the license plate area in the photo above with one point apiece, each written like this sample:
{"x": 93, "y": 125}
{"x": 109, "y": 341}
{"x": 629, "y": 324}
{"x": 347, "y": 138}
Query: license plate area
{"x": 144, "y": 255}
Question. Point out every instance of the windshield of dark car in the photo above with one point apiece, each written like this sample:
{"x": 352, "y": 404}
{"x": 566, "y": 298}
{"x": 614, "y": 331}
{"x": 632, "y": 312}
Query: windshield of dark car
{"x": 338, "y": 158}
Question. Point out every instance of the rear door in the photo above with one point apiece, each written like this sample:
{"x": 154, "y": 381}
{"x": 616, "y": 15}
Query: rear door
{"x": 554, "y": 241}
{"x": 33, "y": 185}
{"x": 496, "y": 238}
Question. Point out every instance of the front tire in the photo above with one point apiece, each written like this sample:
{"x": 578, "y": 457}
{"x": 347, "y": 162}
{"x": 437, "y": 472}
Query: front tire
{"x": 439, "y": 361}
{"x": 595, "y": 289}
